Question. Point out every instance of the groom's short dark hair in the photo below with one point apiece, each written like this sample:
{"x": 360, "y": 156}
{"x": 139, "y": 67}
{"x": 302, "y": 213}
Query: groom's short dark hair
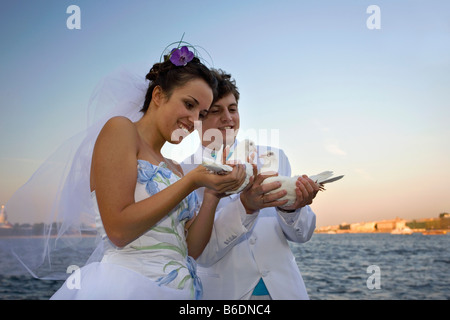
{"x": 225, "y": 84}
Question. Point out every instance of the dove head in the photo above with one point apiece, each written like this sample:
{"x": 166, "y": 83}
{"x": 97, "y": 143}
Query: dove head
{"x": 270, "y": 162}
{"x": 250, "y": 146}
{"x": 243, "y": 151}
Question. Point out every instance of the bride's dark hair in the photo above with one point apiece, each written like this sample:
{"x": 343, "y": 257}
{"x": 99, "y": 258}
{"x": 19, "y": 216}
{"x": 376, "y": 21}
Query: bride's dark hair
{"x": 169, "y": 76}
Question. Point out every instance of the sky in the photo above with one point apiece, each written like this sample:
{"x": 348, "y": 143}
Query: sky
{"x": 315, "y": 77}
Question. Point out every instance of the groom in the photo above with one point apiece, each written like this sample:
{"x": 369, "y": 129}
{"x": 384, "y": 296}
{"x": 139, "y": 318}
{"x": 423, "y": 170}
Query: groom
{"x": 248, "y": 255}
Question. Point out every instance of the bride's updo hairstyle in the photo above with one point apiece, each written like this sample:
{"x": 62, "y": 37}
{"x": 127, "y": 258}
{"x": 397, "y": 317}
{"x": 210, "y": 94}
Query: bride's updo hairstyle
{"x": 169, "y": 76}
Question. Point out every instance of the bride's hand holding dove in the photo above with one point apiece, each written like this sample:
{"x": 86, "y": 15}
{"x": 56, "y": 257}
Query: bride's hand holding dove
{"x": 219, "y": 183}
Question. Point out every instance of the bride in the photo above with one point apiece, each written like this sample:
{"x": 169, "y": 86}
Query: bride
{"x": 146, "y": 210}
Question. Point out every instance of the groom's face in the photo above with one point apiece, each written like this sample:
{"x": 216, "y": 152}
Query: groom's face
{"x": 223, "y": 117}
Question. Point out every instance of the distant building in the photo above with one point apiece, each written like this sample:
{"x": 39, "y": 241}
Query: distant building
{"x": 389, "y": 225}
{"x": 363, "y": 227}
{"x": 397, "y": 225}
{"x": 4, "y": 223}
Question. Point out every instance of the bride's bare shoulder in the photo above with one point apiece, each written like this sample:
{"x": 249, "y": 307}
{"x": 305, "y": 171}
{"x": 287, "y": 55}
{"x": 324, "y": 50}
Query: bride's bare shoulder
{"x": 119, "y": 125}
{"x": 119, "y": 121}
{"x": 118, "y": 130}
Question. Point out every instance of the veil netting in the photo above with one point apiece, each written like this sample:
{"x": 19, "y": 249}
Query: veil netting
{"x": 58, "y": 193}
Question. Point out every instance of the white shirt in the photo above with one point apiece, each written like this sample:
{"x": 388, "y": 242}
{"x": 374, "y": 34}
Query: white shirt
{"x": 245, "y": 248}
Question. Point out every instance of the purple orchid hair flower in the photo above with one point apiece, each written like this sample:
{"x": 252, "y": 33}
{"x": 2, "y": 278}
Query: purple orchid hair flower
{"x": 180, "y": 57}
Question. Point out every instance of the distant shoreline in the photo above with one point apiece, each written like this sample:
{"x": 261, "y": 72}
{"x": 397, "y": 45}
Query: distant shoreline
{"x": 438, "y": 225}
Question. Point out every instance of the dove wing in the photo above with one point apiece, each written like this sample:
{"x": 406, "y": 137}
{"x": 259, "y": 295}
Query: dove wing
{"x": 321, "y": 176}
{"x": 325, "y": 177}
{"x": 216, "y": 167}
{"x": 331, "y": 179}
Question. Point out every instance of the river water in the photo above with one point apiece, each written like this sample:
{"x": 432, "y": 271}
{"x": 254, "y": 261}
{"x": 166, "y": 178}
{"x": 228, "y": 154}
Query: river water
{"x": 333, "y": 266}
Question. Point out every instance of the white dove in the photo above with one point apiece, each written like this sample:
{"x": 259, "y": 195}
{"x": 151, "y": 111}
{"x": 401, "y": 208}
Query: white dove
{"x": 240, "y": 154}
{"x": 289, "y": 183}
{"x": 245, "y": 151}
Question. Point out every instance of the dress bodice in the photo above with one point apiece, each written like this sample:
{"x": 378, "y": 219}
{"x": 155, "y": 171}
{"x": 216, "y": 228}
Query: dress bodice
{"x": 161, "y": 253}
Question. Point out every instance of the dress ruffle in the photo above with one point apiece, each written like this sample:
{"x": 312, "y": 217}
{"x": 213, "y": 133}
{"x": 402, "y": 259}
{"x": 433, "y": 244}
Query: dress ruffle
{"x": 108, "y": 281}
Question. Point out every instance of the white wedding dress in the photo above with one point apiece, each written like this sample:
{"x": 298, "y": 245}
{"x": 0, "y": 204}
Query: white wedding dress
{"x": 154, "y": 266}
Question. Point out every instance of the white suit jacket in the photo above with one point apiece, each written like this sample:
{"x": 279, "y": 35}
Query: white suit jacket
{"x": 244, "y": 248}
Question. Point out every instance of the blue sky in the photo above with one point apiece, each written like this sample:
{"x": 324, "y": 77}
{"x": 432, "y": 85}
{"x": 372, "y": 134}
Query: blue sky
{"x": 370, "y": 104}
